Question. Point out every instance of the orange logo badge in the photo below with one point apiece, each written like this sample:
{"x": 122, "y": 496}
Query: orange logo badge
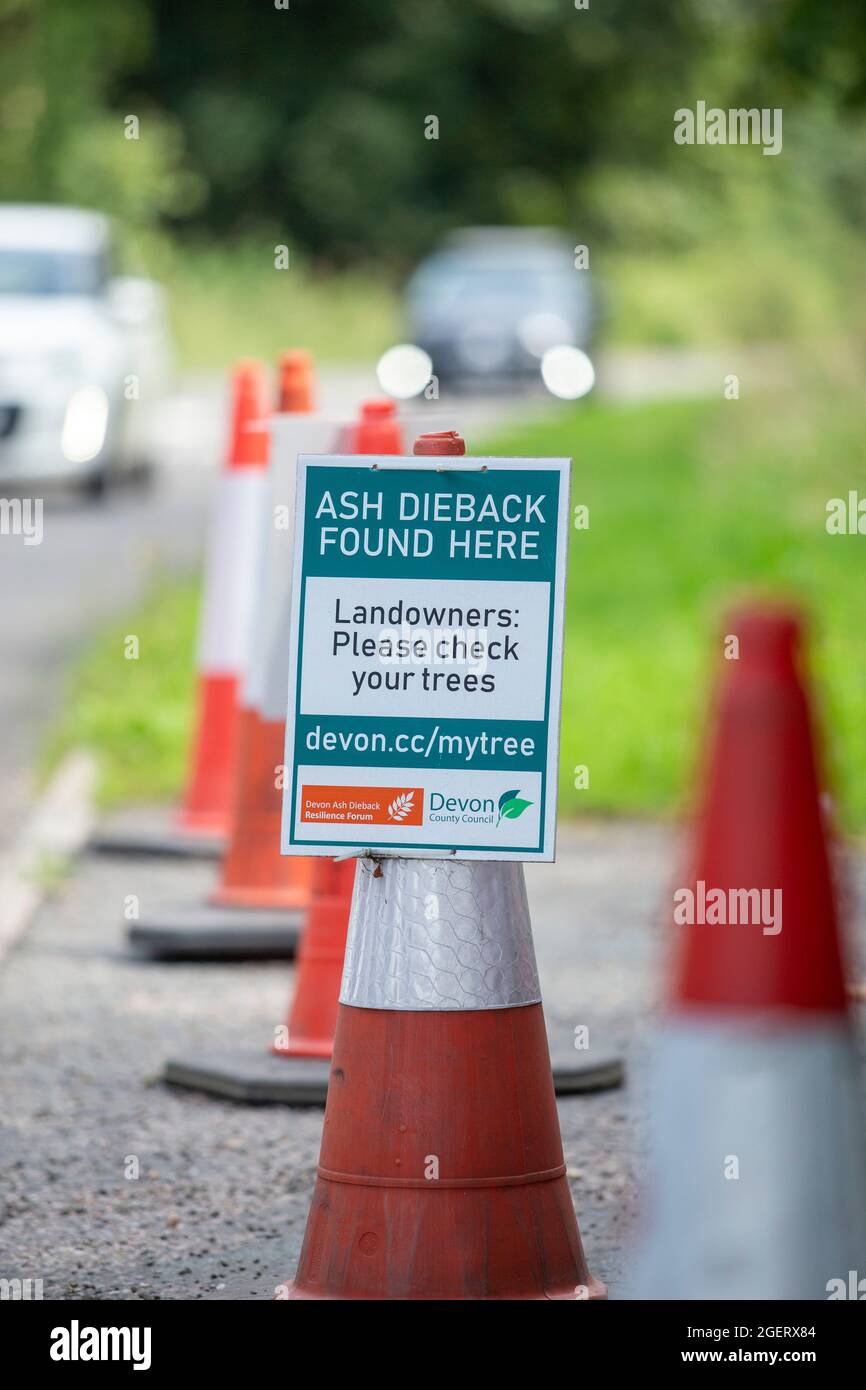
{"x": 363, "y": 805}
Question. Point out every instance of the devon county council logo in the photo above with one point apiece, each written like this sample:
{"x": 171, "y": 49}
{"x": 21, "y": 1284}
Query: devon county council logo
{"x": 512, "y": 805}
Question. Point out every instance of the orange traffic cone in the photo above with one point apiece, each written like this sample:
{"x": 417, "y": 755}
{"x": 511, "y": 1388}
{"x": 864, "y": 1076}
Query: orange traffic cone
{"x": 257, "y": 909}
{"x": 441, "y": 1174}
{"x": 378, "y": 430}
{"x": 758, "y": 1178}
{"x": 254, "y": 873}
{"x": 227, "y": 615}
{"x": 313, "y": 1011}
{"x": 202, "y": 823}
{"x": 294, "y": 1071}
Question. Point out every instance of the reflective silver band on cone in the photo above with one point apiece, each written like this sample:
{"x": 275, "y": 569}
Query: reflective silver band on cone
{"x": 440, "y": 935}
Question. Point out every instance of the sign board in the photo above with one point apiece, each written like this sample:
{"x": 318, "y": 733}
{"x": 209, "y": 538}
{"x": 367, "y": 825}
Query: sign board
{"x": 426, "y": 656}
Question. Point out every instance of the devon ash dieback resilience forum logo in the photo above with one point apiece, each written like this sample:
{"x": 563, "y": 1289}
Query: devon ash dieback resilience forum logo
{"x": 405, "y": 806}
{"x": 363, "y": 805}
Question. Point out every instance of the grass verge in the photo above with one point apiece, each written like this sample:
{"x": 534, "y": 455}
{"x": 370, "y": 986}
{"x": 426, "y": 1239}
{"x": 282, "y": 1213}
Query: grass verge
{"x": 135, "y": 714}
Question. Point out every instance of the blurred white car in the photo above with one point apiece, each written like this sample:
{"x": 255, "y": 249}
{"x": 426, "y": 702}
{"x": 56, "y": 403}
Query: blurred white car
{"x": 84, "y": 356}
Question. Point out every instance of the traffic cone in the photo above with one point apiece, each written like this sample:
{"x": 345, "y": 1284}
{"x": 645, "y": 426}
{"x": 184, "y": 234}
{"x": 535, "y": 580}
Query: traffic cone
{"x": 296, "y": 1070}
{"x": 758, "y": 1178}
{"x": 254, "y": 874}
{"x": 441, "y": 1174}
{"x": 256, "y": 910}
{"x": 202, "y": 822}
{"x": 378, "y": 429}
{"x": 227, "y": 615}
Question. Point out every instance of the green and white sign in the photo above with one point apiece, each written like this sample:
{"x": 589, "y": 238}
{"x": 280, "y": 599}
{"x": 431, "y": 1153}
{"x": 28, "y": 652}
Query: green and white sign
{"x": 426, "y": 658}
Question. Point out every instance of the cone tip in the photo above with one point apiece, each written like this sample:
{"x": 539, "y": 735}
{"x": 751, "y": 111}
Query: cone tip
{"x": 440, "y": 442}
{"x": 248, "y": 445}
{"x": 766, "y": 630}
{"x": 295, "y": 381}
{"x": 380, "y": 408}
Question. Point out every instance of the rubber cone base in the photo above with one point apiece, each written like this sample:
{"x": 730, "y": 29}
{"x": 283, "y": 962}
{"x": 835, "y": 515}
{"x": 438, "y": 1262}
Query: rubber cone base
{"x": 156, "y": 839}
{"x": 256, "y": 1077}
{"x": 185, "y": 931}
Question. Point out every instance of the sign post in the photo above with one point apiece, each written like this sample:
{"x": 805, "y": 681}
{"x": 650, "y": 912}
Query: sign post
{"x": 426, "y": 657}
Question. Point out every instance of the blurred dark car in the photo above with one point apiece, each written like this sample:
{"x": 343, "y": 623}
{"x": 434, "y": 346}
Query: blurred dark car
{"x": 492, "y": 301}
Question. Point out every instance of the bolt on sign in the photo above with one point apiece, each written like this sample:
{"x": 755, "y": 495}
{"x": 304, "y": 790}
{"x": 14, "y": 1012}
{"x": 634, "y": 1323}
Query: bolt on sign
{"x": 426, "y": 660}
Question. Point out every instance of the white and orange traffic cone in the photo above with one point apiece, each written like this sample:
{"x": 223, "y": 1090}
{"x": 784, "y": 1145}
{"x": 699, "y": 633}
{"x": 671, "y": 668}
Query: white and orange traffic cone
{"x": 257, "y": 908}
{"x": 202, "y": 823}
{"x": 296, "y": 1069}
{"x": 441, "y": 1174}
{"x": 757, "y": 1184}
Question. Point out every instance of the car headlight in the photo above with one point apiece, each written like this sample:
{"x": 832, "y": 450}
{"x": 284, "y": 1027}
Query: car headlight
{"x": 404, "y": 371}
{"x": 85, "y": 424}
{"x": 567, "y": 372}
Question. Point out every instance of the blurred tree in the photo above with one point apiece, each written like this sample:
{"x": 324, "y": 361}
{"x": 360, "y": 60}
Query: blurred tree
{"x": 310, "y": 121}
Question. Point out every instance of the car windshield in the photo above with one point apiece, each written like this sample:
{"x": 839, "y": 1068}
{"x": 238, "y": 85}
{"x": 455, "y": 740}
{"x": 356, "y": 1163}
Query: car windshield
{"x": 449, "y": 283}
{"x": 50, "y": 272}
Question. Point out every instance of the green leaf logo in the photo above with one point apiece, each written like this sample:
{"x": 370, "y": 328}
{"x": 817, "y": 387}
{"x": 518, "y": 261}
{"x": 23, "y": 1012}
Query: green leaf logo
{"x": 512, "y": 805}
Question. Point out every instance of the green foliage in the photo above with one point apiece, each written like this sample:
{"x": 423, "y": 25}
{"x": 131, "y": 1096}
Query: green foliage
{"x": 306, "y": 125}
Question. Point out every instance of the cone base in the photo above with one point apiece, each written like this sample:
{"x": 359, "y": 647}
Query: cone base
{"x": 306, "y": 1047}
{"x": 287, "y": 900}
{"x": 184, "y": 931}
{"x": 156, "y": 840}
{"x": 578, "y": 1073}
{"x": 253, "y": 1077}
{"x": 256, "y": 1077}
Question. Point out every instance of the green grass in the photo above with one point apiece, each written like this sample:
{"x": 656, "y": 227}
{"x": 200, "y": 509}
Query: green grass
{"x": 136, "y": 715}
{"x": 691, "y": 506}
{"x": 228, "y": 303}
